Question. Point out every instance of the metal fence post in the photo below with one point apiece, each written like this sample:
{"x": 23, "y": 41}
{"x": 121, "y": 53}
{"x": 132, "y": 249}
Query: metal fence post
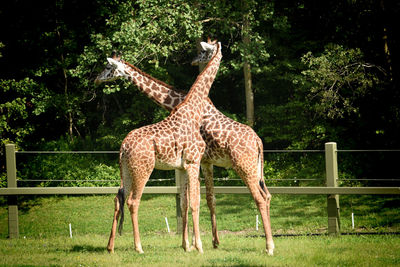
{"x": 13, "y": 229}
{"x": 331, "y": 181}
{"x": 178, "y": 181}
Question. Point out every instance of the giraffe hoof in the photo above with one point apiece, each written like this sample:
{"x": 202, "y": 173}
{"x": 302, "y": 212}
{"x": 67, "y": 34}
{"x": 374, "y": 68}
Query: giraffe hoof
{"x": 270, "y": 248}
{"x": 200, "y": 250}
{"x": 139, "y": 250}
{"x": 215, "y": 244}
{"x": 110, "y": 250}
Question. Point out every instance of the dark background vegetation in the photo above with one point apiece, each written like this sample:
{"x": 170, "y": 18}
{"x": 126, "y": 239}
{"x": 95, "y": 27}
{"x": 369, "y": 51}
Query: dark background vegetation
{"x": 321, "y": 71}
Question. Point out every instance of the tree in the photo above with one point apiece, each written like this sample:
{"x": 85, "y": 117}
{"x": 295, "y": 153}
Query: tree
{"x": 338, "y": 77}
{"x": 246, "y": 65}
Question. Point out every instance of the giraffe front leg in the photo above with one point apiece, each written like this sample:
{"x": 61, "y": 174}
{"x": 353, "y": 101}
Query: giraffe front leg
{"x": 211, "y": 201}
{"x": 133, "y": 205}
{"x": 184, "y": 212}
{"x": 194, "y": 196}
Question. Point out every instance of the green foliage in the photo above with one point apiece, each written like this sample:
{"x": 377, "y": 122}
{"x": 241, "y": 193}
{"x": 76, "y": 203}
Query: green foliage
{"x": 3, "y": 180}
{"x": 338, "y": 78}
{"x": 310, "y": 75}
{"x": 23, "y": 100}
{"x": 1, "y": 46}
{"x": 284, "y": 122}
{"x": 294, "y": 169}
{"x": 68, "y": 170}
{"x": 145, "y": 33}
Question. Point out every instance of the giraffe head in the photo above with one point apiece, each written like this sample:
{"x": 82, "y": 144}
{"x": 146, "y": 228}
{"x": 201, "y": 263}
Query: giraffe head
{"x": 207, "y": 51}
{"x": 114, "y": 69}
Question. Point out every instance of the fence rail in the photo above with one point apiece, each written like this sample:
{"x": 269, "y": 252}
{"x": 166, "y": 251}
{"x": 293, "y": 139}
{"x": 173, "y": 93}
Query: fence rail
{"x": 311, "y": 190}
{"x": 331, "y": 189}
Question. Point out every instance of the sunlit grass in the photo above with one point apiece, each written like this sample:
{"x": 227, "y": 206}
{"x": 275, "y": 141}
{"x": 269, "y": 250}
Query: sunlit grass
{"x": 235, "y": 250}
{"x": 44, "y": 233}
{"x": 290, "y": 214}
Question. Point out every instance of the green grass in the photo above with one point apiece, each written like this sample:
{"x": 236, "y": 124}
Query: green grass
{"x": 235, "y": 250}
{"x": 290, "y": 214}
{"x": 44, "y": 233}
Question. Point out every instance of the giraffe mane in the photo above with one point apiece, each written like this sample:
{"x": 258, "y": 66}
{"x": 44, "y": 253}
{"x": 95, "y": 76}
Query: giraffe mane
{"x": 152, "y": 78}
{"x": 198, "y": 77}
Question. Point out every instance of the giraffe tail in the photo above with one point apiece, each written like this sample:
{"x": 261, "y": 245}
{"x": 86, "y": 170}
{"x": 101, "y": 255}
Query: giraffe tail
{"x": 260, "y": 167}
{"x": 121, "y": 201}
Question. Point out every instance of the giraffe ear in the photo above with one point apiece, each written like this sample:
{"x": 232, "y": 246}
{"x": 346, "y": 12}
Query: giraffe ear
{"x": 206, "y": 47}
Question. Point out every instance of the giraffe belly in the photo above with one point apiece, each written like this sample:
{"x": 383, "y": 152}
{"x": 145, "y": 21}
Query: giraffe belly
{"x": 168, "y": 165}
{"x": 220, "y": 160}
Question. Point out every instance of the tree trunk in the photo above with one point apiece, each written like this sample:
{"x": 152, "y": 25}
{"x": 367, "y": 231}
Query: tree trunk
{"x": 249, "y": 94}
{"x": 65, "y": 77}
{"x": 66, "y": 95}
{"x": 247, "y": 68}
{"x": 385, "y": 42}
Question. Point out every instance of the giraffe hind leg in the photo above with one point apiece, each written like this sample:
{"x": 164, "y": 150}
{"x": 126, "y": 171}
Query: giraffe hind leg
{"x": 261, "y": 196}
{"x": 117, "y": 212}
{"x": 140, "y": 176}
{"x": 262, "y": 201}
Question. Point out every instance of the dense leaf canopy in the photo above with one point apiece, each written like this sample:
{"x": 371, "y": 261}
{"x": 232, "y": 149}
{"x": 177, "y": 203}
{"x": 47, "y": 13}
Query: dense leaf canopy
{"x": 321, "y": 70}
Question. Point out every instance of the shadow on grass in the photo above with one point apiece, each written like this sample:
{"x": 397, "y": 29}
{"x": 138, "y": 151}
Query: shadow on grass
{"x": 26, "y": 203}
{"x": 88, "y": 248}
{"x": 328, "y": 235}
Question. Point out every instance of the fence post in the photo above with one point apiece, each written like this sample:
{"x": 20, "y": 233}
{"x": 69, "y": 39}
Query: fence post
{"x": 178, "y": 181}
{"x": 13, "y": 229}
{"x": 331, "y": 181}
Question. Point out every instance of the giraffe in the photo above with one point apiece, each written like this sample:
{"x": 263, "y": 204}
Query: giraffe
{"x": 174, "y": 143}
{"x": 228, "y": 142}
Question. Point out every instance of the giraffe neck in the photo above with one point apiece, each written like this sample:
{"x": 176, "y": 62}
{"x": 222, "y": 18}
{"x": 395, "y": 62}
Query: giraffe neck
{"x": 163, "y": 94}
{"x": 195, "y": 99}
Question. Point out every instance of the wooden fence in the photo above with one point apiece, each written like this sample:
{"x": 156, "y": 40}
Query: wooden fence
{"x": 331, "y": 190}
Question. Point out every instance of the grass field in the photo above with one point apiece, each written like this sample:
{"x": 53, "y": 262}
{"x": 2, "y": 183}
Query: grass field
{"x": 45, "y": 234}
{"x": 235, "y": 250}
